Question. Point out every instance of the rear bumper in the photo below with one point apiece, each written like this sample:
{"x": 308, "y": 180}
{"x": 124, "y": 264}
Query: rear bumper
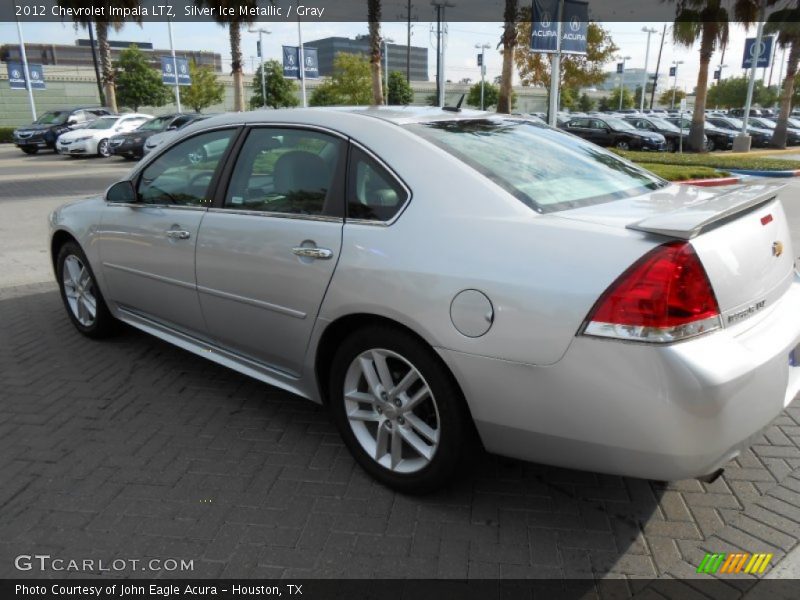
{"x": 657, "y": 412}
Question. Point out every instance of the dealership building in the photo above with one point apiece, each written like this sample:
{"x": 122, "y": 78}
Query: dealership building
{"x": 328, "y": 48}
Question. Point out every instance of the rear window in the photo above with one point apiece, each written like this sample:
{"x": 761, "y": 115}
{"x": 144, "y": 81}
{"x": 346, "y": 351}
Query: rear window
{"x": 544, "y": 168}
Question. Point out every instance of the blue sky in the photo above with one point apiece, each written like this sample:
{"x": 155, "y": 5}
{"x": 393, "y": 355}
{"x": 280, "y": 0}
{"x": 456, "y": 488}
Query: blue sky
{"x": 460, "y": 60}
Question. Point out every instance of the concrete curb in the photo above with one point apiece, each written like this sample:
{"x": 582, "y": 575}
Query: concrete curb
{"x": 759, "y": 173}
{"x": 711, "y": 182}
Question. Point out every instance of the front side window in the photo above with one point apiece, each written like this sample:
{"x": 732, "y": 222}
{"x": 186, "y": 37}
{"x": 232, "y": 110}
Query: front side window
{"x": 288, "y": 171}
{"x": 157, "y": 124}
{"x": 52, "y": 117}
{"x": 183, "y": 174}
{"x": 544, "y": 168}
{"x": 372, "y": 192}
{"x": 103, "y": 123}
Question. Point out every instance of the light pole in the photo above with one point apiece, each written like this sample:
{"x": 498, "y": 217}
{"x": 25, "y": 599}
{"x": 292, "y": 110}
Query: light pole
{"x": 386, "y": 42}
{"x": 719, "y": 79}
{"x": 622, "y": 80}
{"x": 482, "y": 54}
{"x": 648, "y": 31}
{"x": 25, "y": 69}
{"x": 440, "y": 6}
{"x": 675, "y": 64}
{"x": 260, "y": 31}
{"x": 174, "y": 66}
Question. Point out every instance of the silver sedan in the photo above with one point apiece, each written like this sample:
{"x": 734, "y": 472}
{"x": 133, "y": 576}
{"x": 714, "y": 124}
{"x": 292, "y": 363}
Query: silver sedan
{"x": 443, "y": 278}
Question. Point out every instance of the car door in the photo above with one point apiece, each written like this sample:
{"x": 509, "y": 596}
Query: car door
{"x": 147, "y": 248}
{"x": 266, "y": 253}
{"x": 599, "y": 133}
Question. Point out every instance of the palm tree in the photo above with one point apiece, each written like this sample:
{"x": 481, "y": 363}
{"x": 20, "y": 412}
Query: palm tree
{"x": 707, "y": 21}
{"x": 508, "y": 41}
{"x": 102, "y": 25}
{"x": 233, "y": 18}
{"x": 786, "y": 24}
{"x": 374, "y": 19}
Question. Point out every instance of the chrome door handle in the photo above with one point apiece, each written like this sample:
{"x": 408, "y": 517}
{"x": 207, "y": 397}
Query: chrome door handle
{"x": 178, "y": 234}
{"x": 312, "y": 252}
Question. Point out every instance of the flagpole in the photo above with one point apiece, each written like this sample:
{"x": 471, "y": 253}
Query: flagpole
{"x": 555, "y": 69}
{"x": 24, "y": 56}
{"x": 174, "y": 66}
{"x": 302, "y": 65}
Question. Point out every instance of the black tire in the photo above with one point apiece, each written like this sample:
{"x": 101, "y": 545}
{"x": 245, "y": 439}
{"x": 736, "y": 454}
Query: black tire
{"x": 104, "y": 324}
{"x": 29, "y": 149}
{"x": 103, "y": 149}
{"x": 622, "y": 145}
{"x": 710, "y": 145}
{"x": 456, "y": 431}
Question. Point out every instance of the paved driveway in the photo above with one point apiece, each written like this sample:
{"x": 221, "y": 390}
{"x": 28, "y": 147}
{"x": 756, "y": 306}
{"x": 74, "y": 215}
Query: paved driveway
{"x": 131, "y": 449}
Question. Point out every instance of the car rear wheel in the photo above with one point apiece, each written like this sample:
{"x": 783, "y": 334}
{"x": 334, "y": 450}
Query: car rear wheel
{"x": 622, "y": 145}
{"x": 710, "y": 145}
{"x": 29, "y": 149}
{"x": 82, "y": 298}
{"x": 102, "y": 148}
{"x": 398, "y": 409}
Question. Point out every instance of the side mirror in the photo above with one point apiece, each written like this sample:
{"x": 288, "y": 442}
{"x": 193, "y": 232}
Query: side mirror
{"x": 172, "y": 128}
{"x": 121, "y": 192}
{"x": 72, "y": 121}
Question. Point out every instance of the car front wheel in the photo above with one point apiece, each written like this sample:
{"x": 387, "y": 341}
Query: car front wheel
{"x": 398, "y": 409}
{"x": 623, "y": 145}
{"x": 29, "y": 149}
{"x": 82, "y": 298}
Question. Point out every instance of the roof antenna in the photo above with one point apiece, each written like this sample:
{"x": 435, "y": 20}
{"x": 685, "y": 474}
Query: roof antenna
{"x": 457, "y": 107}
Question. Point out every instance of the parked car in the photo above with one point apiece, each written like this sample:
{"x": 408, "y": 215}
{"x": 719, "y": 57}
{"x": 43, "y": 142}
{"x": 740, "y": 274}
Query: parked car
{"x": 616, "y": 132}
{"x": 672, "y": 134}
{"x": 792, "y": 133}
{"x": 739, "y": 112}
{"x": 131, "y": 144}
{"x": 717, "y": 138}
{"x": 92, "y": 140}
{"x": 155, "y": 140}
{"x": 759, "y": 135}
{"x": 568, "y": 306}
{"x": 43, "y": 133}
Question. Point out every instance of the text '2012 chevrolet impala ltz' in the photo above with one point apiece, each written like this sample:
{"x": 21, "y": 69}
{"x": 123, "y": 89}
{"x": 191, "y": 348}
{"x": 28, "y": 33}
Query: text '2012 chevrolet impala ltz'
{"x": 433, "y": 275}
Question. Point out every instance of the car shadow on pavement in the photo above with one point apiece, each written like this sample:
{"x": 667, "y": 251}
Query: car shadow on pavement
{"x": 131, "y": 447}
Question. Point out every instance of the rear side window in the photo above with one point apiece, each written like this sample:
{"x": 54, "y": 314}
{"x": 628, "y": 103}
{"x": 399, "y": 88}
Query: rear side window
{"x": 373, "y": 193}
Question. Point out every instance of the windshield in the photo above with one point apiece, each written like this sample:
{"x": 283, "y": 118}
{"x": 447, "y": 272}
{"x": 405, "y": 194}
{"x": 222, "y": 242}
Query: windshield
{"x": 619, "y": 124}
{"x": 52, "y": 117}
{"x": 767, "y": 124}
{"x": 663, "y": 124}
{"x": 794, "y": 123}
{"x": 736, "y": 123}
{"x": 544, "y": 168}
{"x": 158, "y": 124}
{"x": 103, "y": 123}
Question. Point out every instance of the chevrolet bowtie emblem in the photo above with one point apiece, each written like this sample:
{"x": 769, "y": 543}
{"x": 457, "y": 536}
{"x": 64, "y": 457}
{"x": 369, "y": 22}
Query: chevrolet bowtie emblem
{"x": 777, "y": 249}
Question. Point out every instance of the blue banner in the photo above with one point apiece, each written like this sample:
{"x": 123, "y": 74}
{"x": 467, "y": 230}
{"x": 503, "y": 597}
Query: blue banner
{"x": 544, "y": 26}
{"x": 16, "y": 76}
{"x": 763, "y": 56}
{"x": 673, "y": 71}
{"x": 575, "y": 27}
{"x": 291, "y": 60}
{"x": 168, "y": 71}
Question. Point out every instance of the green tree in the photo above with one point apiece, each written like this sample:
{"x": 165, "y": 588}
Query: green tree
{"x": 707, "y": 21}
{"x": 605, "y": 103}
{"x": 786, "y": 24}
{"x": 229, "y": 13}
{"x": 509, "y": 41}
{"x": 585, "y": 103}
{"x": 399, "y": 92}
{"x": 577, "y": 71}
{"x": 665, "y": 99}
{"x": 568, "y": 98}
{"x": 281, "y": 92}
{"x": 627, "y": 99}
{"x": 491, "y": 94}
{"x": 375, "y": 43}
{"x": 102, "y": 25}
{"x": 205, "y": 90}
{"x": 350, "y": 84}
{"x": 138, "y": 84}
{"x": 732, "y": 93}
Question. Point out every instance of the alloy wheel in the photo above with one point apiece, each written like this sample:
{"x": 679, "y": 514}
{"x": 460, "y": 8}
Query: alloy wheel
{"x": 79, "y": 291}
{"x": 391, "y": 410}
{"x": 102, "y": 148}
{"x": 622, "y": 145}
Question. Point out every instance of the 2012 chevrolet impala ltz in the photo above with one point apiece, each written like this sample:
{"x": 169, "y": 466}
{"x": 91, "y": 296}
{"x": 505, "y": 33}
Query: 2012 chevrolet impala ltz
{"x": 431, "y": 275}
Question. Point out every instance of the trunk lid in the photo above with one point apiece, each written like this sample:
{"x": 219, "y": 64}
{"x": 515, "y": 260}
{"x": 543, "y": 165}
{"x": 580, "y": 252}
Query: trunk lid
{"x": 740, "y": 234}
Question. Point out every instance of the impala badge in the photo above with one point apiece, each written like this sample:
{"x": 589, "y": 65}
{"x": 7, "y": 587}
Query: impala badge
{"x": 777, "y": 249}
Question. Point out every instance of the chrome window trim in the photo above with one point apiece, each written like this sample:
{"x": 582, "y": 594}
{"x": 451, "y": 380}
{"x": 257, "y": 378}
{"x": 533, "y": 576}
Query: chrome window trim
{"x": 279, "y": 215}
{"x": 146, "y": 205}
{"x": 394, "y": 176}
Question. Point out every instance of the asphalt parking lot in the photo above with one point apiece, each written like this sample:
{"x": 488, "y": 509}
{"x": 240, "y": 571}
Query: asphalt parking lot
{"x": 133, "y": 449}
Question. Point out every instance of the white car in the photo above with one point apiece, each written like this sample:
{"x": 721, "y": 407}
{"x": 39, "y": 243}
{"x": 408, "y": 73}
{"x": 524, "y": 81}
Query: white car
{"x": 93, "y": 139}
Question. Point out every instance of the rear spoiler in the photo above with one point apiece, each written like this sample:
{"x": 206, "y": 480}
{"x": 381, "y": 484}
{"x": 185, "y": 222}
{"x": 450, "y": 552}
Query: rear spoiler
{"x": 689, "y": 221}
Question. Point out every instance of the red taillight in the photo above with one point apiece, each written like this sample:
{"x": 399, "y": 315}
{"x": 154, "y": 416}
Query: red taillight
{"x": 665, "y": 296}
